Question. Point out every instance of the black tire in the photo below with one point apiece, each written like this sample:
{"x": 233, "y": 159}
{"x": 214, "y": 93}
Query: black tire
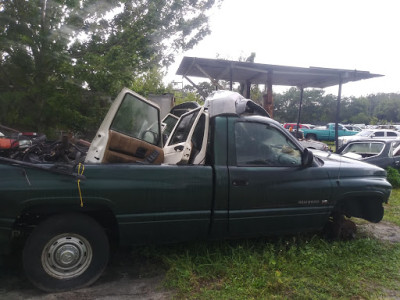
{"x": 311, "y": 136}
{"x": 65, "y": 252}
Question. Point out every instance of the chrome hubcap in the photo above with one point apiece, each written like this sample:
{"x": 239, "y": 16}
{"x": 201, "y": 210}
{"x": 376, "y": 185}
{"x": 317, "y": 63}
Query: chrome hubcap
{"x": 66, "y": 256}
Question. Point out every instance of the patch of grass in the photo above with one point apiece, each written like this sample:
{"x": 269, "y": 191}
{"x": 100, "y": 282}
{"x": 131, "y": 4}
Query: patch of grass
{"x": 295, "y": 267}
{"x": 393, "y": 177}
{"x": 331, "y": 145}
{"x": 291, "y": 267}
{"x": 392, "y": 208}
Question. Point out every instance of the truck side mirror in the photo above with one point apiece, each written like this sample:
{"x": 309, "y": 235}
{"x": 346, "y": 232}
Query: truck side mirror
{"x": 307, "y": 158}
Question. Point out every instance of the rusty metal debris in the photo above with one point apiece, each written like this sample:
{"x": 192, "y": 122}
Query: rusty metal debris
{"x": 35, "y": 148}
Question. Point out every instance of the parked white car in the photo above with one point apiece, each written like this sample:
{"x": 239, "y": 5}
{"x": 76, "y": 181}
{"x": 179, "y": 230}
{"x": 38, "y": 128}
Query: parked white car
{"x": 382, "y": 134}
{"x": 352, "y": 127}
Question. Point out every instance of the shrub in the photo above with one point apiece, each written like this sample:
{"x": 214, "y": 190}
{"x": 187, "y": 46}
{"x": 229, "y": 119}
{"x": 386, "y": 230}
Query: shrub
{"x": 393, "y": 177}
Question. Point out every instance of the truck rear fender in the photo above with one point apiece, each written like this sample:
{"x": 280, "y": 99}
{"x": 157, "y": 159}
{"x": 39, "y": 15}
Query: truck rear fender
{"x": 31, "y": 216}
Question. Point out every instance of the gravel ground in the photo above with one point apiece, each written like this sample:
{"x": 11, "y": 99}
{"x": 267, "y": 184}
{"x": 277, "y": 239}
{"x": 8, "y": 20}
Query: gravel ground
{"x": 127, "y": 277}
{"x": 383, "y": 231}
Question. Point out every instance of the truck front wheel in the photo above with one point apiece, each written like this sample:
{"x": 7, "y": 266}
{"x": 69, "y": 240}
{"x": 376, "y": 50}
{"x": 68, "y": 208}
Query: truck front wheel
{"x": 65, "y": 252}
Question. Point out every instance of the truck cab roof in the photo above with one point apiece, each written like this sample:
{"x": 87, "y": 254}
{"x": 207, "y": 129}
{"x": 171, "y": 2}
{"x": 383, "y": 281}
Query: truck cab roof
{"x": 224, "y": 102}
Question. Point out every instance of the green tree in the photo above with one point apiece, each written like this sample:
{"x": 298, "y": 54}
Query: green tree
{"x": 317, "y": 108}
{"x": 59, "y": 58}
{"x": 34, "y": 62}
{"x": 355, "y": 110}
{"x": 191, "y": 93}
{"x": 286, "y": 105}
{"x": 388, "y": 108}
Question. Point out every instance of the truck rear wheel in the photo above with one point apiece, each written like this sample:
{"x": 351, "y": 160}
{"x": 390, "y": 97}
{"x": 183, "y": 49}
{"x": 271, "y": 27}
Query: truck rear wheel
{"x": 65, "y": 252}
{"x": 311, "y": 136}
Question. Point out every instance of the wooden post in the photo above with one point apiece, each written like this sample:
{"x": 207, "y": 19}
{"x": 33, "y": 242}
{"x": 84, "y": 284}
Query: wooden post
{"x": 268, "y": 100}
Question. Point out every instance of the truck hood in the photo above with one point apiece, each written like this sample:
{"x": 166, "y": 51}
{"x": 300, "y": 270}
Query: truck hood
{"x": 339, "y": 166}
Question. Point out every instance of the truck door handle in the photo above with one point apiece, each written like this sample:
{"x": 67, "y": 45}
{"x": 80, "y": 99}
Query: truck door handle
{"x": 240, "y": 182}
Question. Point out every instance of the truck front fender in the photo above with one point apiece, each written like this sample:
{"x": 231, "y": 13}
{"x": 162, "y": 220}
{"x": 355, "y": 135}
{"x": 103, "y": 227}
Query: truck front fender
{"x": 368, "y": 208}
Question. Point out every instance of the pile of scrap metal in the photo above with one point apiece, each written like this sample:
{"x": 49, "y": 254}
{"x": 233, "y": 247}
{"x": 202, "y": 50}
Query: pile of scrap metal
{"x": 35, "y": 148}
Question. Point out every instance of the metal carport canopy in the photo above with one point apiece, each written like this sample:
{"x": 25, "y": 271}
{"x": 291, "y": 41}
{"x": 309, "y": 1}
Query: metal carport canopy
{"x": 255, "y": 73}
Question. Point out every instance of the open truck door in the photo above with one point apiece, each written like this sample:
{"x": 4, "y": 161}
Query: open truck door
{"x": 187, "y": 142}
{"x": 130, "y": 132}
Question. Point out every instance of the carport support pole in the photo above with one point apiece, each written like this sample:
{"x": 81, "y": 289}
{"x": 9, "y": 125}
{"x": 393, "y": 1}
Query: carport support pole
{"x": 338, "y": 114}
{"x": 299, "y": 115}
{"x": 248, "y": 89}
{"x": 230, "y": 78}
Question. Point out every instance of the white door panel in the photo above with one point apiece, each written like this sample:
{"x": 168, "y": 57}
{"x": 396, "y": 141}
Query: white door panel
{"x": 179, "y": 145}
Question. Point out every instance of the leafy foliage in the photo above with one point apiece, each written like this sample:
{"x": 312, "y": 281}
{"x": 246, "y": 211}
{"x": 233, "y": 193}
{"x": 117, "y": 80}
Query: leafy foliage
{"x": 392, "y": 208}
{"x": 318, "y": 108}
{"x": 59, "y": 57}
{"x": 62, "y": 61}
{"x": 393, "y": 177}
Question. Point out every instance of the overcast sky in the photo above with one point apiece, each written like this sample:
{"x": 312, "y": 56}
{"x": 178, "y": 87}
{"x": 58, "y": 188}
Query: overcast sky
{"x": 345, "y": 34}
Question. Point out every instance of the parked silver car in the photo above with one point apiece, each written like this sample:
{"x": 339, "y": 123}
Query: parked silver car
{"x": 382, "y": 134}
{"x": 383, "y": 153}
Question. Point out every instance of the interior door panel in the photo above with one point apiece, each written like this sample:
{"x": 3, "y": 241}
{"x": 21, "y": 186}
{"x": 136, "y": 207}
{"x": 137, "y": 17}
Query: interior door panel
{"x": 124, "y": 149}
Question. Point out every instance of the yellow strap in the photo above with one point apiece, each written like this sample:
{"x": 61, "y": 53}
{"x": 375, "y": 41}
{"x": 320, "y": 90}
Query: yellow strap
{"x": 79, "y": 186}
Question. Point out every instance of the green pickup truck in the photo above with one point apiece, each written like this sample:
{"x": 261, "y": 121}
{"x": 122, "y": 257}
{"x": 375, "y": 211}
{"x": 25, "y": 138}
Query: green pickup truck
{"x": 326, "y": 133}
{"x": 225, "y": 170}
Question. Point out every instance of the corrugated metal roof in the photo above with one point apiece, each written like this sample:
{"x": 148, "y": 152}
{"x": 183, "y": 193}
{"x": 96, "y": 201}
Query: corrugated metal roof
{"x": 258, "y": 73}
